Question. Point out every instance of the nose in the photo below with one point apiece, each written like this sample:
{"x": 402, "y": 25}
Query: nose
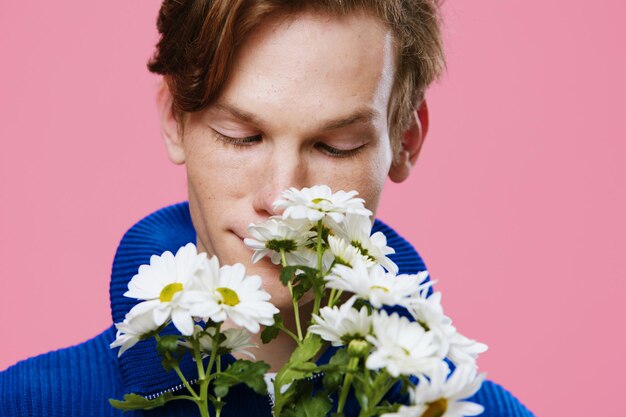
{"x": 285, "y": 168}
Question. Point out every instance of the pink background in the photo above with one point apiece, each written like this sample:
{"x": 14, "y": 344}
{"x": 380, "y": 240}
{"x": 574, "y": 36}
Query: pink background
{"x": 520, "y": 214}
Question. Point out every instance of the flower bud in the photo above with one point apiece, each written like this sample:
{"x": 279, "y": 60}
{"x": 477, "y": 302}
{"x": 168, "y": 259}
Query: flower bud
{"x": 358, "y": 347}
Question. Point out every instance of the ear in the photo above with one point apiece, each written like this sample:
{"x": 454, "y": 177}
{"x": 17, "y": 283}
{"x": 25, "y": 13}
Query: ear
{"x": 172, "y": 134}
{"x": 412, "y": 141}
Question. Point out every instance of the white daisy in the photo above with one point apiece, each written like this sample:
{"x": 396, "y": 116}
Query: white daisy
{"x": 270, "y": 237}
{"x": 162, "y": 284}
{"x": 229, "y": 293}
{"x": 374, "y": 284}
{"x": 308, "y": 257}
{"x": 132, "y": 329}
{"x": 401, "y": 347}
{"x": 340, "y": 325}
{"x": 444, "y": 397}
{"x": 464, "y": 351}
{"x": 356, "y": 229}
{"x": 237, "y": 340}
{"x": 319, "y": 201}
{"x": 428, "y": 312}
{"x": 343, "y": 252}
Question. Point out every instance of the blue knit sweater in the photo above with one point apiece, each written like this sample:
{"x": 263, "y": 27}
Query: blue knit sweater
{"x": 78, "y": 381}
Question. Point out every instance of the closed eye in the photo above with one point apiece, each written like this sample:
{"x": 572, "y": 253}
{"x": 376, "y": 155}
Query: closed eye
{"x": 244, "y": 141}
{"x": 338, "y": 153}
{"x": 323, "y": 147}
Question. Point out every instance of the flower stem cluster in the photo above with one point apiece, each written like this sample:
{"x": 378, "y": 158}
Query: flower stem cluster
{"x": 196, "y": 296}
{"x": 324, "y": 244}
{"x": 332, "y": 252}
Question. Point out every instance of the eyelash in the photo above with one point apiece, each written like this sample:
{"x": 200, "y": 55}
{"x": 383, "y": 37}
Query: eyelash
{"x": 240, "y": 142}
{"x": 328, "y": 150}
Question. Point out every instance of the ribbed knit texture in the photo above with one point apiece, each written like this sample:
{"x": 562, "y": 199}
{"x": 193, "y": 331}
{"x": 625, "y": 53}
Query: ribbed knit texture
{"x": 79, "y": 380}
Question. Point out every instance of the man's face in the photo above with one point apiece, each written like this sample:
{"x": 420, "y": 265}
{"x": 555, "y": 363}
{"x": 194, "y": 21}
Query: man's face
{"x": 306, "y": 103}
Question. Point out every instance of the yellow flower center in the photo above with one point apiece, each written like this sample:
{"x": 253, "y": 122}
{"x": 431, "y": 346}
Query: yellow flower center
{"x": 378, "y": 287}
{"x": 319, "y": 200}
{"x": 167, "y": 293}
{"x": 229, "y": 297}
{"x": 436, "y": 408}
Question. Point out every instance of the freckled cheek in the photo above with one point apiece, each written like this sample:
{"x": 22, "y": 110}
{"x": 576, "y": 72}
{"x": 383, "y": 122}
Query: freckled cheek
{"x": 222, "y": 173}
{"x": 365, "y": 176}
{"x": 372, "y": 182}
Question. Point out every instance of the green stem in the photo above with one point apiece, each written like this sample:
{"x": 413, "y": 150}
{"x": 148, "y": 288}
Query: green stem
{"x": 204, "y": 410}
{"x": 204, "y": 382}
{"x": 218, "y": 406}
{"x": 296, "y": 309}
{"x": 320, "y": 231}
{"x": 347, "y": 382}
{"x": 214, "y": 346}
{"x": 187, "y": 385}
{"x": 289, "y": 333}
{"x": 168, "y": 355}
{"x": 198, "y": 357}
{"x": 296, "y": 312}
{"x": 331, "y": 296}
{"x": 319, "y": 292}
{"x": 209, "y": 372}
{"x": 379, "y": 392}
{"x": 334, "y": 297}
{"x": 317, "y": 301}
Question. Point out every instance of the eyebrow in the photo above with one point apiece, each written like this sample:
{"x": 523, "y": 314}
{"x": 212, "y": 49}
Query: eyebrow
{"x": 361, "y": 116}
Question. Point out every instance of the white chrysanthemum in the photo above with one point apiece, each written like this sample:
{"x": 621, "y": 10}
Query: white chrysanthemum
{"x": 163, "y": 282}
{"x": 464, "y": 351}
{"x": 133, "y": 328}
{"x": 356, "y": 230}
{"x": 343, "y": 252}
{"x": 319, "y": 201}
{"x": 228, "y": 293}
{"x": 428, "y": 312}
{"x": 237, "y": 340}
{"x": 271, "y": 236}
{"x": 308, "y": 257}
{"x": 374, "y": 284}
{"x": 340, "y": 325}
{"x": 401, "y": 346}
{"x": 444, "y": 397}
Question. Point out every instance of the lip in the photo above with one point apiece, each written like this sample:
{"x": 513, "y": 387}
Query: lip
{"x": 241, "y": 230}
{"x": 238, "y": 235}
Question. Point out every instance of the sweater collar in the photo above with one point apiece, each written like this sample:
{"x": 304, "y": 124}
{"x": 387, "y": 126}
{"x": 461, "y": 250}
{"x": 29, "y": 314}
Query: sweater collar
{"x": 167, "y": 230}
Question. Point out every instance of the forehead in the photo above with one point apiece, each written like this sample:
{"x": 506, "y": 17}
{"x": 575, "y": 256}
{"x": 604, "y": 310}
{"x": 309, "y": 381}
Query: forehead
{"x": 312, "y": 66}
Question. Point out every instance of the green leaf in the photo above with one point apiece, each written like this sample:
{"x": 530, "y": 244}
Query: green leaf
{"x": 137, "y": 402}
{"x": 168, "y": 343}
{"x": 299, "y": 291}
{"x": 298, "y": 367}
{"x": 335, "y": 370}
{"x": 242, "y": 371}
{"x": 310, "y": 346}
{"x": 169, "y": 363}
{"x": 287, "y": 273}
{"x": 171, "y": 351}
{"x": 309, "y": 273}
{"x": 271, "y": 332}
{"x": 316, "y": 406}
{"x": 306, "y": 405}
{"x": 386, "y": 407}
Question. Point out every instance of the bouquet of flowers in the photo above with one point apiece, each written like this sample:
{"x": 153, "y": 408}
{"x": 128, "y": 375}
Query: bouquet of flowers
{"x": 328, "y": 257}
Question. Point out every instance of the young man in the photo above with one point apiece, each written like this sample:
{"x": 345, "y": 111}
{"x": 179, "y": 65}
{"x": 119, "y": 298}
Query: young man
{"x": 258, "y": 96}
